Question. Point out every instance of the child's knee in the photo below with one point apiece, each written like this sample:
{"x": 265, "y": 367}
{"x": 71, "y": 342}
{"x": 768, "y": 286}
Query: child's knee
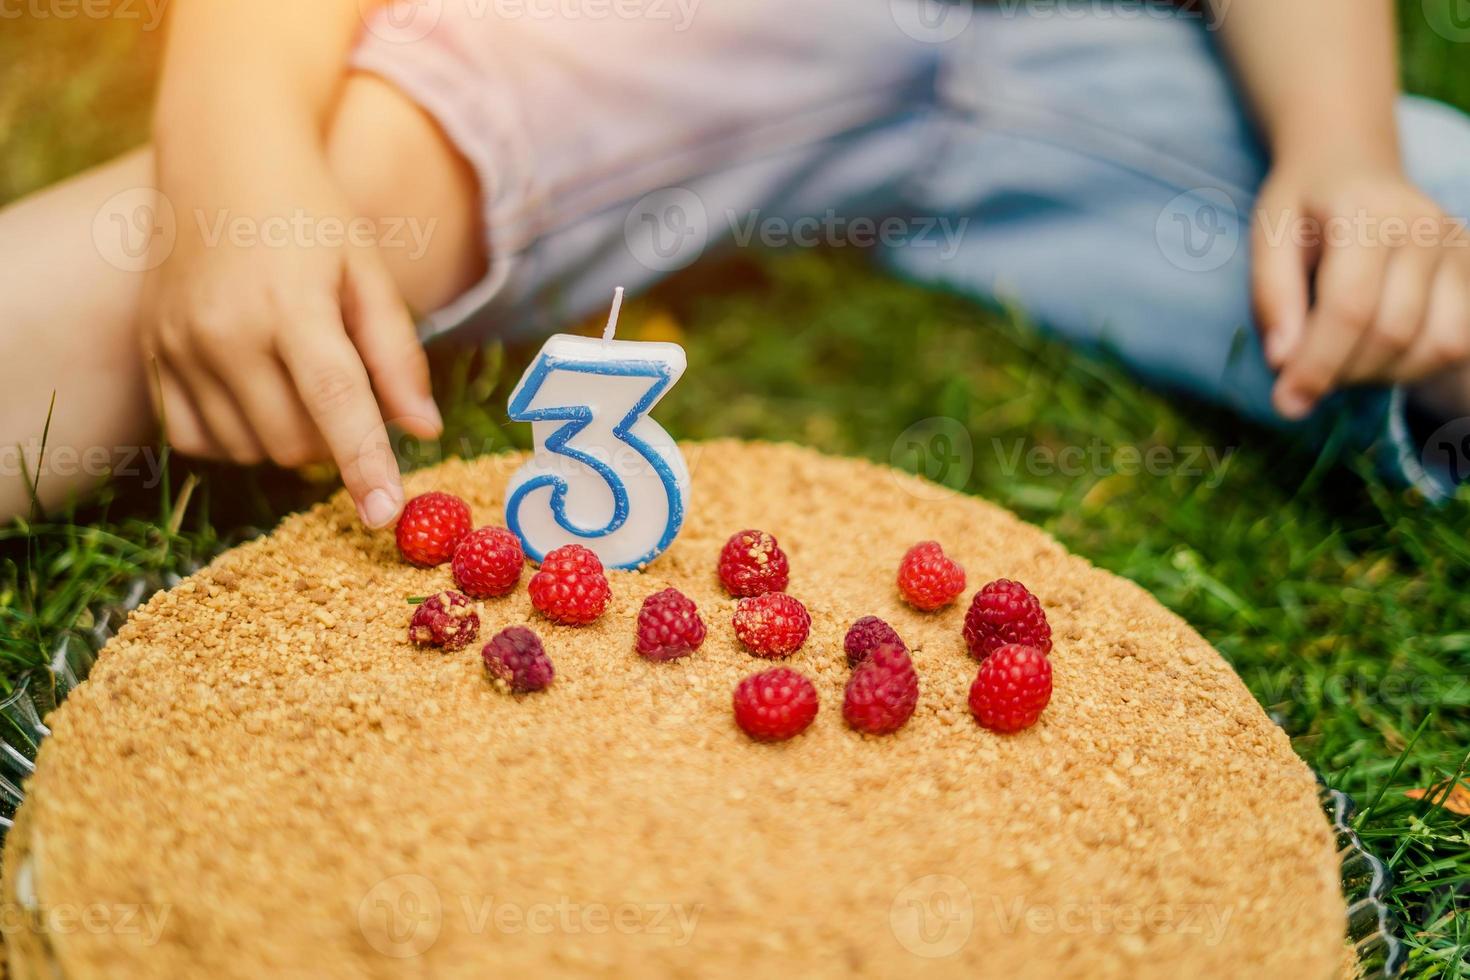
{"x": 397, "y": 167}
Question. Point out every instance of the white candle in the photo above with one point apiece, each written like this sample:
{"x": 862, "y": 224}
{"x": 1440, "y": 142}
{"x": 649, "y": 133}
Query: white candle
{"x": 604, "y": 474}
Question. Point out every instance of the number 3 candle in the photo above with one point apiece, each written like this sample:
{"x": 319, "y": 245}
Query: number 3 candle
{"x": 604, "y": 474}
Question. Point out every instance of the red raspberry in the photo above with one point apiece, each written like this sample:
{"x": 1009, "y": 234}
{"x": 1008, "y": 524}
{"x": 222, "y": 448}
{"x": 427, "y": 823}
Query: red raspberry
{"x": 882, "y": 692}
{"x": 516, "y": 660}
{"x": 669, "y": 626}
{"x": 431, "y": 526}
{"x": 571, "y": 587}
{"x": 1011, "y": 689}
{"x": 928, "y": 578}
{"x": 488, "y": 563}
{"x": 1005, "y": 612}
{"x": 772, "y": 625}
{"x": 445, "y": 619}
{"x": 752, "y": 563}
{"x": 865, "y": 635}
{"x": 775, "y": 705}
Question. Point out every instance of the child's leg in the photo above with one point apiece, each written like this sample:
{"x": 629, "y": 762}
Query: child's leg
{"x": 617, "y": 147}
{"x": 1108, "y": 173}
{"x": 65, "y": 316}
{"x": 69, "y": 292}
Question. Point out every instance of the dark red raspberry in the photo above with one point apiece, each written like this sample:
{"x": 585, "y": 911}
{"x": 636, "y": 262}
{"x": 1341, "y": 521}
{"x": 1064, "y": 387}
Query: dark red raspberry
{"x": 516, "y": 660}
{"x": 445, "y": 619}
{"x": 1005, "y": 612}
{"x": 571, "y": 587}
{"x": 431, "y": 526}
{"x": 1011, "y": 689}
{"x": 669, "y": 626}
{"x": 865, "y": 635}
{"x": 752, "y": 563}
{"x": 772, "y": 625}
{"x": 882, "y": 692}
{"x": 488, "y": 563}
{"x": 928, "y": 578}
{"x": 775, "y": 705}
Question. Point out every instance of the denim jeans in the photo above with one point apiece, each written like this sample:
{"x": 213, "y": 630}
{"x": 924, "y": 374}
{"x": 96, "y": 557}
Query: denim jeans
{"x": 1090, "y": 163}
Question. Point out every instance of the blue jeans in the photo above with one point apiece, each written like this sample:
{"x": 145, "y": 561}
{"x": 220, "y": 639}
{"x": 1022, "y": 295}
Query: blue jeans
{"x": 1091, "y": 165}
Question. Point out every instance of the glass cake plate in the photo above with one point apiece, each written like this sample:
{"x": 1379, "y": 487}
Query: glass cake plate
{"x": 1372, "y": 929}
{"x": 22, "y": 711}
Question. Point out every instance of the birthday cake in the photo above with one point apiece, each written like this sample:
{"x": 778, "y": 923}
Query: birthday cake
{"x": 270, "y": 772}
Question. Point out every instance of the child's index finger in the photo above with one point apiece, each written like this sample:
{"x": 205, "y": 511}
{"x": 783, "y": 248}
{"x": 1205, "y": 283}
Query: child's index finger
{"x": 1348, "y": 284}
{"x": 334, "y": 386}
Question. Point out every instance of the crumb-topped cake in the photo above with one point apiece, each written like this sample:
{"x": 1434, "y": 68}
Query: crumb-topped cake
{"x": 276, "y": 778}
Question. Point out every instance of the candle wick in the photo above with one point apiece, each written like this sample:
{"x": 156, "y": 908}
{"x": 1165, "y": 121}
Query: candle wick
{"x": 612, "y": 318}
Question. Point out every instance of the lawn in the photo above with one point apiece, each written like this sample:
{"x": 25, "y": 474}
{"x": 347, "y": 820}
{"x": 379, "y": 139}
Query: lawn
{"x": 1344, "y": 604}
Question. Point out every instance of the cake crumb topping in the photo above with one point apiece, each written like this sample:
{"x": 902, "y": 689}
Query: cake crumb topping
{"x": 273, "y": 777}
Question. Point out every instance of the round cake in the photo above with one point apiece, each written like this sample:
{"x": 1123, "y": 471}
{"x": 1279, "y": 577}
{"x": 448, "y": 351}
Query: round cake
{"x": 263, "y": 775}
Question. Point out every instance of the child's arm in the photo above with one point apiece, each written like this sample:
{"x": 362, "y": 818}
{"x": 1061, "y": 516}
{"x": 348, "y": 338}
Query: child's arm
{"x": 1392, "y": 278}
{"x": 272, "y": 343}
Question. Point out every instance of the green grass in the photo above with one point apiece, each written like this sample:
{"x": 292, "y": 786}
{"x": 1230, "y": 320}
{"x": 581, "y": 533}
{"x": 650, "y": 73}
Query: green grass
{"x": 1344, "y": 605}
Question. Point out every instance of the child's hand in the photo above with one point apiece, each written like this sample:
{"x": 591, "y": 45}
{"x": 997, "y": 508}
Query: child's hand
{"x": 1390, "y": 301}
{"x": 272, "y": 330}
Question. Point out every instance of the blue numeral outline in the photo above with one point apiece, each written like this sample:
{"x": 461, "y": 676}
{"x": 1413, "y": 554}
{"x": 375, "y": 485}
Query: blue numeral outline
{"x": 578, "y": 417}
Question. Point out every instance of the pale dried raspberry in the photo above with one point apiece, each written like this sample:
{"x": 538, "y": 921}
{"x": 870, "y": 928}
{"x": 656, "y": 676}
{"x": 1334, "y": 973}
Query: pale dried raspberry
{"x": 865, "y": 635}
{"x": 669, "y": 626}
{"x": 1012, "y": 688}
{"x": 772, "y": 625}
{"x": 1005, "y": 612}
{"x": 775, "y": 705}
{"x": 431, "y": 526}
{"x": 445, "y": 619}
{"x": 882, "y": 692}
{"x": 928, "y": 578}
{"x": 571, "y": 587}
{"x": 752, "y": 563}
{"x": 517, "y": 661}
